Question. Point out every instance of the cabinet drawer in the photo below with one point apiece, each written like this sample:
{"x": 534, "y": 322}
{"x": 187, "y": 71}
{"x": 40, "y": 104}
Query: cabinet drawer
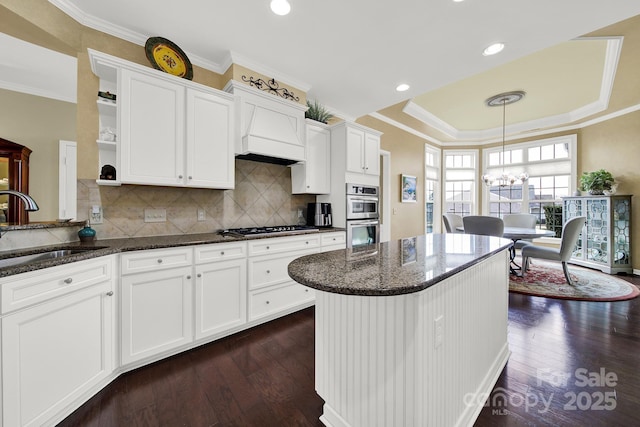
{"x": 264, "y": 271}
{"x": 31, "y": 288}
{"x": 273, "y": 299}
{"x": 334, "y": 238}
{"x": 283, "y": 244}
{"x": 220, "y": 252}
{"x": 154, "y": 260}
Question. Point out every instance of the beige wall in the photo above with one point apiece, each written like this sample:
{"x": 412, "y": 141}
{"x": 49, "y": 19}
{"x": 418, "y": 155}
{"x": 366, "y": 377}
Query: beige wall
{"x": 407, "y": 157}
{"x": 39, "y": 124}
{"x": 613, "y": 145}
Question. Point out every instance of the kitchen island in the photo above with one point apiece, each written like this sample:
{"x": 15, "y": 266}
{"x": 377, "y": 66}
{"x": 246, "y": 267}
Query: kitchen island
{"x": 410, "y": 332}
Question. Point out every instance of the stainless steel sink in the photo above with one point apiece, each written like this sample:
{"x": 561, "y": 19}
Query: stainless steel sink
{"x": 43, "y": 256}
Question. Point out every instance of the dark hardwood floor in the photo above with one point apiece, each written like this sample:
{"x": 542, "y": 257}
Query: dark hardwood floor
{"x": 264, "y": 376}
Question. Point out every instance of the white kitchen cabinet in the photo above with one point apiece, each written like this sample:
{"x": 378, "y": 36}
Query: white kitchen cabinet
{"x": 333, "y": 241}
{"x": 221, "y": 288}
{"x": 59, "y": 348}
{"x": 314, "y": 175}
{"x": 170, "y": 131}
{"x": 152, "y": 132}
{"x": 272, "y": 293}
{"x": 156, "y": 304}
{"x": 361, "y": 148}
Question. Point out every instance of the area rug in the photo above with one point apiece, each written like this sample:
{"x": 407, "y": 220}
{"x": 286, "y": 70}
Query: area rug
{"x": 546, "y": 279}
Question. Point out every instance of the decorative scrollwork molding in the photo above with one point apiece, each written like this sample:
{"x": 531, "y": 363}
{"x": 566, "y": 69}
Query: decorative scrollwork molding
{"x": 271, "y": 86}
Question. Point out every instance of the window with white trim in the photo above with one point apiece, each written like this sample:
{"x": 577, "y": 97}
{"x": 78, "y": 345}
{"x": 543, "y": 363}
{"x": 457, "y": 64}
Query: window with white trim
{"x": 432, "y": 189}
{"x": 551, "y": 165}
{"x": 460, "y": 182}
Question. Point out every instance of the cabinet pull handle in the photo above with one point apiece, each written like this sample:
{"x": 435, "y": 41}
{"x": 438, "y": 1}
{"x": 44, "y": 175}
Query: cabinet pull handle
{"x": 68, "y": 280}
{"x": 159, "y": 260}
{"x": 110, "y": 293}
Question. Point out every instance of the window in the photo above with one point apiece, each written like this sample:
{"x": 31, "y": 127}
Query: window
{"x": 432, "y": 189}
{"x": 460, "y": 181}
{"x": 551, "y": 165}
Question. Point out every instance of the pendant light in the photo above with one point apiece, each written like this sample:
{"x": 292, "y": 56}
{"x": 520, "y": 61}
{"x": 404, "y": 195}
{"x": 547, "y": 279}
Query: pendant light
{"x": 505, "y": 179}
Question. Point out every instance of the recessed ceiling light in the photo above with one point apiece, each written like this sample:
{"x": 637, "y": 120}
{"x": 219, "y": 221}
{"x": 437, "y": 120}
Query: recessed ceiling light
{"x": 280, "y": 7}
{"x": 402, "y": 87}
{"x": 493, "y": 49}
{"x": 457, "y": 1}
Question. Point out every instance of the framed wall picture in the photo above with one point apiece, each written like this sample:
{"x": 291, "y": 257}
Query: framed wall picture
{"x": 408, "y": 190}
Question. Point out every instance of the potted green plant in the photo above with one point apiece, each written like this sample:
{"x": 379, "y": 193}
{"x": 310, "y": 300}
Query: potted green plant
{"x": 596, "y": 182}
{"x": 317, "y": 112}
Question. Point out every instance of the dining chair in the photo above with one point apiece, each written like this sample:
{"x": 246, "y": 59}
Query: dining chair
{"x": 570, "y": 233}
{"x": 483, "y": 225}
{"x": 451, "y": 222}
{"x": 520, "y": 220}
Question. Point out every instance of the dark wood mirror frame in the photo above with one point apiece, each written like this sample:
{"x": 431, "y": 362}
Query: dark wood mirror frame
{"x": 18, "y": 156}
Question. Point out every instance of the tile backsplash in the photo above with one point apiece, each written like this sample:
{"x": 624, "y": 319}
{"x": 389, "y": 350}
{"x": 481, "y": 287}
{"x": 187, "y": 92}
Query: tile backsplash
{"x": 262, "y": 196}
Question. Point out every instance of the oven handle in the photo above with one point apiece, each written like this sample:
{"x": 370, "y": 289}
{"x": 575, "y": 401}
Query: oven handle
{"x": 356, "y": 222}
{"x": 363, "y": 198}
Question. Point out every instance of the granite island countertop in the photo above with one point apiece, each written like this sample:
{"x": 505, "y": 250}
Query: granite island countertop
{"x": 394, "y": 268}
{"x": 105, "y": 247}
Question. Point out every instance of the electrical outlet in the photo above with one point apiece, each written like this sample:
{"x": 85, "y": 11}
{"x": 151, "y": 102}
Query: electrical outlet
{"x": 95, "y": 214}
{"x": 155, "y": 215}
{"x": 202, "y": 216}
{"x": 438, "y": 331}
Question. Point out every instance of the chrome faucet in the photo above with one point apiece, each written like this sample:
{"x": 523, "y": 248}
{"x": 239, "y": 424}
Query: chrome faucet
{"x": 29, "y": 203}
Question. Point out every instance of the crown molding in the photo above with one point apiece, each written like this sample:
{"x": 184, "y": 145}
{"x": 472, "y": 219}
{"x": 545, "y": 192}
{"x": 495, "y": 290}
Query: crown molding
{"x": 122, "y": 33}
{"x": 239, "y": 59}
{"x": 612, "y": 56}
{"x": 406, "y": 128}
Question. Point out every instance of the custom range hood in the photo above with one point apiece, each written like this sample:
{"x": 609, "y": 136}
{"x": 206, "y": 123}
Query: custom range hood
{"x": 271, "y": 128}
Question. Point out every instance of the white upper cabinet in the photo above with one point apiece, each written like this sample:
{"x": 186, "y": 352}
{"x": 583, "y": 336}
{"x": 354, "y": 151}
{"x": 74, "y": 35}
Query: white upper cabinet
{"x": 314, "y": 176}
{"x": 170, "y": 131}
{"x": 355, "y": 154}
{"x": 152, "y": 135}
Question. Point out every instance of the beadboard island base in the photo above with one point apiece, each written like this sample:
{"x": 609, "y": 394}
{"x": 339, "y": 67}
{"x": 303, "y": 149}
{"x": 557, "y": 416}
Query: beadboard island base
{"x": 429, "y": 357}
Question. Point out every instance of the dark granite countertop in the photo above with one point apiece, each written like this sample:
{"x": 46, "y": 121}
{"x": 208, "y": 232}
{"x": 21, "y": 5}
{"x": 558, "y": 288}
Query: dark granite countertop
{"x": 111, "y": 246}
{"x": 394, "y": 268}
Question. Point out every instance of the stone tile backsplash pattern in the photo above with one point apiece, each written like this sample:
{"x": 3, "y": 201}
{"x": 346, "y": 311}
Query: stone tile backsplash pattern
{"x": 262, "y": 196}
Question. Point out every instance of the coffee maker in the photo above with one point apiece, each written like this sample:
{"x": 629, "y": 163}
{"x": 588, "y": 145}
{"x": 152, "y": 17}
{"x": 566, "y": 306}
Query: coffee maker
{"x": 319, "y": 214}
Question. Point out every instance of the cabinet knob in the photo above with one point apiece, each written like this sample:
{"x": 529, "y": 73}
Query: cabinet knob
{"x": 267, "y": 247}
{"x": 306, "y": 290}
{"x": 221, "y": 252}
{"x": 199, "y": 275}
{"x": 266, "y": 302}
{"x": 160, "y": 261}
{"x": 268, "y": 271}
{"x": 110, "y": 293}
{"x": 334, "y": 239}
{"x": 180, "y": 176}
{"x": 189, "y": 277}
{"x": 68, "y": 280}
{"x": 190, "y": 177}
{"x": 308, "y": 186}
{"x": 306, "y": 243}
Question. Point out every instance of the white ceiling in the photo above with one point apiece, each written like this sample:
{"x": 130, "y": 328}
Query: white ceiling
{"x": 351, "y": 55}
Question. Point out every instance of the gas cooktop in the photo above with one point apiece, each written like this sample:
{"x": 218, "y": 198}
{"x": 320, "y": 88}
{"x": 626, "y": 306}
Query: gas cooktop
{"x": 262, "y": 231}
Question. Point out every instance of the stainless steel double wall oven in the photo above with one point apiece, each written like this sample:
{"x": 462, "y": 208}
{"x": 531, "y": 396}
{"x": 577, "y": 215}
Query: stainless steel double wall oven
{"x": 363, "y": 215}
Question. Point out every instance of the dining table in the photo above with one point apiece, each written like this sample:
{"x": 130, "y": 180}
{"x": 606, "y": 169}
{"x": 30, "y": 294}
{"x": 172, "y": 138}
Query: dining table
{"x": 519, "y": 233}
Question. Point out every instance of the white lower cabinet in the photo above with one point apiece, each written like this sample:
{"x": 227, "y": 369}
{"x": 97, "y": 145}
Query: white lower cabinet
{"x": 221, "y": 288}
{"x": 56, "y": 351}
{"x": 157, "y": 313}
{"x": 271, "y": 290}
{"x": 333, "y": 241}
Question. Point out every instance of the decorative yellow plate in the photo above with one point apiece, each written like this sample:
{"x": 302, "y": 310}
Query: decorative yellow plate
{"x": 166, "y": 56}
